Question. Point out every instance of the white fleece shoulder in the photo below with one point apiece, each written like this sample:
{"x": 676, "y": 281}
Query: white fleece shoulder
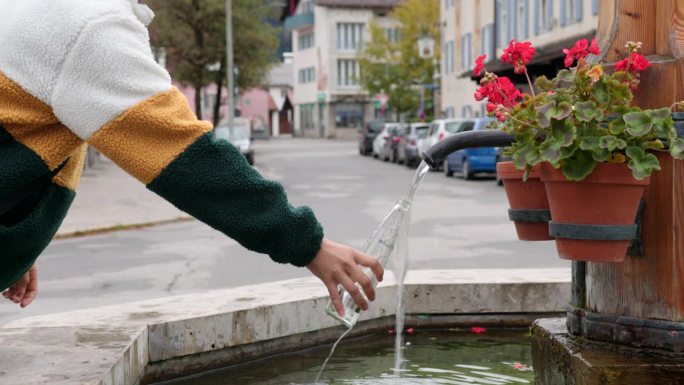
{"x": 89, "y": 60}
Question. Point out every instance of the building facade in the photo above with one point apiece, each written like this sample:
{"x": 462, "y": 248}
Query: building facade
{"x": 475, "y": 27}
{"x": 327, "y": 36}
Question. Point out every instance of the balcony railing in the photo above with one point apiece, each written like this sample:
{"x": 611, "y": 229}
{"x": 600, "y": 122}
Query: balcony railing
{"x": 299, "y": 21}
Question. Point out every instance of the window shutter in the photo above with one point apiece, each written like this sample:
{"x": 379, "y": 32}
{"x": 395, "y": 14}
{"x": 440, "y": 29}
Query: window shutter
{"x": 563, "y": 13}
{"x": 526, "y": 12}
{"x": 579, "y": 10}
{"x": 512, "y": 19}
{"x": 499, "y": 24}
{"x": 549, "y": 15}
{"x": 537, "y": 17}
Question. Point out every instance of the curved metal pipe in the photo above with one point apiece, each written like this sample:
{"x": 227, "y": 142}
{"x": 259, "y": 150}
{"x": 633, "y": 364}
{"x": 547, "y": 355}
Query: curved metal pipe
{"x": 489, "y": 138}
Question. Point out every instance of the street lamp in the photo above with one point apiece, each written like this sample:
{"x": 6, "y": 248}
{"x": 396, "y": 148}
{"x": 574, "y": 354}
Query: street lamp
{"x": 230, "y": 74}
{"x": 426, "y": 50}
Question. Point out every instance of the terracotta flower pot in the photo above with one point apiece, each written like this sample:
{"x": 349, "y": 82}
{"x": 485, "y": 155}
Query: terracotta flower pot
{"x": 527, "y": 199}
{"x": 609, "y": 196}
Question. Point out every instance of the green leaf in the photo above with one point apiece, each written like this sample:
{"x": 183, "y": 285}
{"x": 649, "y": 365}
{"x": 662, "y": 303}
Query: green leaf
{"x": 660, "y": 115}
{"x": 525, "y": 156}
{"x": 620, "y": 91}
{"x": 641, "y": 163}
{"x": 580, "y": 166}
{"x": 600, "y": 92}
{"x": 564, "y": 78}
{"x": 551, "y": 154}
{"x": 563, "y": 132}
{"x": 543, "y": 83}
{"x": 639, "y": 123}
{"x": 542, "y": 120}
{"x": 569, "y": 151}
{"x": 677, "y": 148}
{"x": 585, "y": 111}
{"x": 556, "y": 111}
{"x": 601, "y": 155}
{"x": 655, "y": 145}
{"x": 617, "y": 126}
{"x": 590, "y": 143}
{"x": 609, "y": 142}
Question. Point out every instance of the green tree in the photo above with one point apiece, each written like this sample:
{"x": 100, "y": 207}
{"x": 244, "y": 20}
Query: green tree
{"x": 193, "y": 32}
{"x": 394, "y": 67}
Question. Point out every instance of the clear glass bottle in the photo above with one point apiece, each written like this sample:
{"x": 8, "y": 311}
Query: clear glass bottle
{"x": 380, "y": 245}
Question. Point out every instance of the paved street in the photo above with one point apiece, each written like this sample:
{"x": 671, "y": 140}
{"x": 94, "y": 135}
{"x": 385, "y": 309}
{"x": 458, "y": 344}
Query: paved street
{"x": 456, "y": 224}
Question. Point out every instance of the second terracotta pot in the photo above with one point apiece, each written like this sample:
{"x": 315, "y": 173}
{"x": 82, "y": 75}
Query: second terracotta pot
{"x": 610, "y": 196}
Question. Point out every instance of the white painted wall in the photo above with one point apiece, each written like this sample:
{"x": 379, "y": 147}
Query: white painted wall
{"x": 469, "y": 16}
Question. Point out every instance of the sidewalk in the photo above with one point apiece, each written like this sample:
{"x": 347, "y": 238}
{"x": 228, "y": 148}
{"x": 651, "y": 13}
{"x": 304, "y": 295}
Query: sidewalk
{"x": 108, "y": 198}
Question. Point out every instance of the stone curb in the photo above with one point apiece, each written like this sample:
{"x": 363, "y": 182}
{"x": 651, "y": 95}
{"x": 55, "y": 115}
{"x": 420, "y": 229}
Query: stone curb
{"x": 120, "y": 227}
{"x": 115, "y": 344}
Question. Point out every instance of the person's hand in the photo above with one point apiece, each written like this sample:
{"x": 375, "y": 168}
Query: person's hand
{"x": 337, "y": 264}
{"x": 25, "y": 289}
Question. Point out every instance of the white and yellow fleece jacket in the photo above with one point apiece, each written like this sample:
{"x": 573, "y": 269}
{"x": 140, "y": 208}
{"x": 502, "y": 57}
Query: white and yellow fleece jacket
{"x": 76, "y": 73}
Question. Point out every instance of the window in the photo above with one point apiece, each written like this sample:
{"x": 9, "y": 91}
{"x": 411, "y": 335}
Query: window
{"x": 307, "y": 6}
{"x": 543, "y": 16}
{"x": 348, "y": 73}
{"x": 487, "y": 43}
{"x": 208, "y": 99}
{"x": 349, "y": 36}
{"x": 449, "y": 112}
{"x": 502, "y": 23}
{"x": 571, "y": 12}
{"x": 392, "y": 35}
{"x": 306, "y": 115}
{"x": 449, "y": 57}
{"x": 467, "y": 112}
{"x": 466, "y": 52}
{"x": 521, "y": 19}
{"x": 594, "y": 7}
{"x": 449, "y": 3}
{"x": 348, "y": 115}
{"x": 307, "y": 75}
{"x": 306, "y": 40}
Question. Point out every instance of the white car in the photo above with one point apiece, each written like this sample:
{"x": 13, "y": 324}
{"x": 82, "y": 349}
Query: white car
{"x": 380, "y": 140}
{"x": 439, "y": 130}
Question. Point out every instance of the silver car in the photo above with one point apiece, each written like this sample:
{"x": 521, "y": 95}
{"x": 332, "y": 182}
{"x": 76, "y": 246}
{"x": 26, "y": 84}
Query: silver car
{"x": 239, "y": 136}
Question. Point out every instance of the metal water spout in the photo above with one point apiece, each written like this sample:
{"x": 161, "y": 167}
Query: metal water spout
{"x": 471, "y": 139}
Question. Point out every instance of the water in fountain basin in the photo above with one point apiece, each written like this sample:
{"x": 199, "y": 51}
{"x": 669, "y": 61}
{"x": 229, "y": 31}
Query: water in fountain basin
{"x": 392, "y": 231}
{"x": 432, "y": 358}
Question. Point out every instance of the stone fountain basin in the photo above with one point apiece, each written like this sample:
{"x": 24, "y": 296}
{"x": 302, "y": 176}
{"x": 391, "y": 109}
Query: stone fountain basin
{"x": 147, "y": 341}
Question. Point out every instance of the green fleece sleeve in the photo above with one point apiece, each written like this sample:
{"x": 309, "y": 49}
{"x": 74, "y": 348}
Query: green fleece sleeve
{"x": 212, "y": 181}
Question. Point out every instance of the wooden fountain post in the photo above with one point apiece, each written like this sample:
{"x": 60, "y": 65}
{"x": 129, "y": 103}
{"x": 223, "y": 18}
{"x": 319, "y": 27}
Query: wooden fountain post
{"x": 630, "y": 315}
{"x": 648, "y": 287}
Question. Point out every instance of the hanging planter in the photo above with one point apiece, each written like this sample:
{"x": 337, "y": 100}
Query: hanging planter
{"x": 529, "y": 208}
{"x": 594, "y": 219}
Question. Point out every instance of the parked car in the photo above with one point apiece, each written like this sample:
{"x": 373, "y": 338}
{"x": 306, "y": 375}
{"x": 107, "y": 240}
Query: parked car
{"x": 439, "y": 130}
{"x": 367, "y": 135}
{"x": 501, "y": 157}
{"x": 407, "y": 148}
{"x": 391, "y": 147}
{"x": 471, "y": 161}
{"x": 379, "y": 150}
{"x": 239, "y": 136}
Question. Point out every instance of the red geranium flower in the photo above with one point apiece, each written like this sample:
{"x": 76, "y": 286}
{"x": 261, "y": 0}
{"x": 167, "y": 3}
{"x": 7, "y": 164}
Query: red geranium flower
{"x": 478, "y": 330}
{"x": 518, "y": 54}
{"x": 479, "y": 65}
{"x": 580, "y": 50}
{"x": 639, "y": 62}
{"x": 498, "y": 91}
{"x": 635, "y": 61}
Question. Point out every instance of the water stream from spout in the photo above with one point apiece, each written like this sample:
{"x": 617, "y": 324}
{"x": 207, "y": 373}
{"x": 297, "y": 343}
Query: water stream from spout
{"x": 401, "y": 263}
